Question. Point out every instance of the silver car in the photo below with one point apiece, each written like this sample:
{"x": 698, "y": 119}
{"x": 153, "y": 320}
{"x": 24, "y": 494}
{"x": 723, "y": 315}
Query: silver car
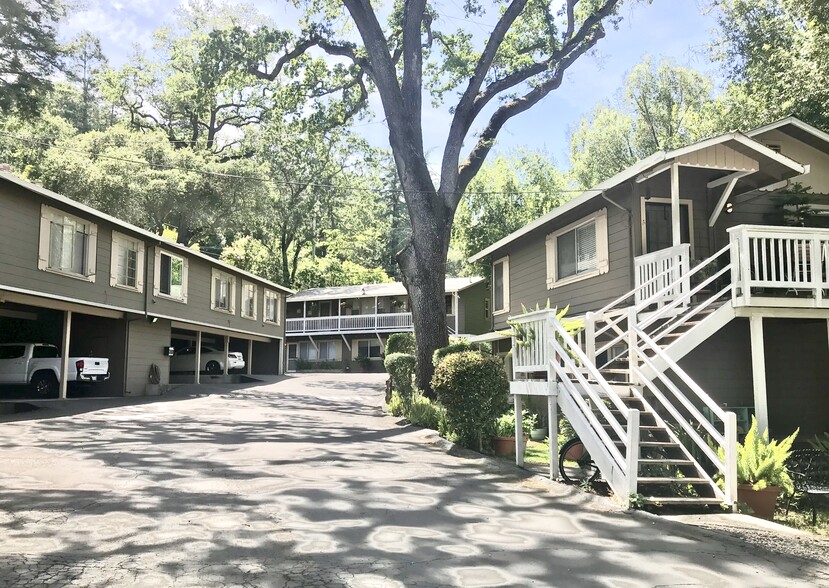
{"x": 212, "y": 360}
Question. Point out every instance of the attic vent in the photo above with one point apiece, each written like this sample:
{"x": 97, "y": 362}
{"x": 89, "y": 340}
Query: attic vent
{"x": 774, "y": 147}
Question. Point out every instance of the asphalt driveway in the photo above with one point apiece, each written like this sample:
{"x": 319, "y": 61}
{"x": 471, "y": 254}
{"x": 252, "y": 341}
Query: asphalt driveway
{"x": 305, "y": 482}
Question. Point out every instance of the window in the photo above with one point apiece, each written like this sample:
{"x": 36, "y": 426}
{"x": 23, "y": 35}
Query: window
{"x": 249, "y": 300}
{"x": 578, "y": 251}
{"x": 272, "y": 314}
{"x": 486, "y": 307}
{"x": 369, "y": 348}
{"x": 12, "y": 351}
{"x": 68, "y": 244}
{"x": 222, "y": 295}
{"x": 324, "y": 351}
{"x": 500, "y": 286}
{"x": 450, "y": 303}
{"x": 127, "y": 262}
{"x": 45, "y": 352}
{"x": 170, "y": 276}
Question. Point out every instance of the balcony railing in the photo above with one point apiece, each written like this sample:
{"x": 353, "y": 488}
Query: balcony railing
{"x": 401, "y": 321}
{"x": 660, "y": 269}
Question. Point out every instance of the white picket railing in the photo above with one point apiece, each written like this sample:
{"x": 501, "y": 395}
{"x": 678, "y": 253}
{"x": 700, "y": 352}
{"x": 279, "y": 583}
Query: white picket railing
{"x": 655, "y": 271}
{"x": 358, "y": 322}
{"x": 779, "y": 259}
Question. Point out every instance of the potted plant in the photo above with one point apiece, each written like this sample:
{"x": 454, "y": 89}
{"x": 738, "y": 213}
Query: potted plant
{"x": 761, "y": 471}
{"x": 504, "y": 441}
{"x": 539, "y": 431}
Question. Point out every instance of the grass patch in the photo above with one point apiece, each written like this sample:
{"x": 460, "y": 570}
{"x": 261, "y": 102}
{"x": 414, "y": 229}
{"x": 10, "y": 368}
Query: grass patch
{"x": 537, "y": 453}
{"x": 802, "y": 519}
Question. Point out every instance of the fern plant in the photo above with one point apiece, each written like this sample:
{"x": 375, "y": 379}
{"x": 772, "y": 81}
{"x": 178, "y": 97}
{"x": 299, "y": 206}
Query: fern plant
{"x": 821, "y": 443}
{"x": 762, "y": 463}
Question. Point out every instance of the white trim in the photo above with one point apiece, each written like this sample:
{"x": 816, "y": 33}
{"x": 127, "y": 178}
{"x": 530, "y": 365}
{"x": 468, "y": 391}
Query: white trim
{"x": 599, "y": 219}
{"x": 727, "y": 178}
{"x": 243, "y": 305}
{"x": 723, "y": 199}
{"x": 795, "y": 122}
{"x": 682, "y": 201}
{"x": 123, "y": 240}
{"x": 231, "y": 291}
{"x": 49, "y": 215}
{"x": 179, "y": 323}
{"x": 370, "y": 341}
{"x": 18, "y": 295}
{"x": 504, "y": 260}
{"x": 157, "y": 276}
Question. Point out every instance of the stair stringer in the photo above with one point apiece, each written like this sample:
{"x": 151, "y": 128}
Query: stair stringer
{"x": 693, "y": 338}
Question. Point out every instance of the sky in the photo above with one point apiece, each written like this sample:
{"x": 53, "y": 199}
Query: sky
{"x": 677, "y": 29}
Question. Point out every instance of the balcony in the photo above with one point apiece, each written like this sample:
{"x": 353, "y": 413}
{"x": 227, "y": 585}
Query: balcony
{"x": 361, "y": 323}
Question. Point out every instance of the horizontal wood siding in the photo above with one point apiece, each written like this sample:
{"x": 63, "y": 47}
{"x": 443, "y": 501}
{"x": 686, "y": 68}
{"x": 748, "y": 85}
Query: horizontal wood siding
{"x": 472, "y": 319}
{"x": 528, "y": 264}
{"x": 19, "y": 242}
{"x": 145, "y": 348}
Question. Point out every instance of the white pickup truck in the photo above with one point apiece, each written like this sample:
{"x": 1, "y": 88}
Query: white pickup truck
{"x": 39, "y": 365}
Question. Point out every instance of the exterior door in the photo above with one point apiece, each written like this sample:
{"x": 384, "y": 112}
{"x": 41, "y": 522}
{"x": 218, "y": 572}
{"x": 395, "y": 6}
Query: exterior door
{"x": 292, "y": 357}
{"x": 657, "y": 225}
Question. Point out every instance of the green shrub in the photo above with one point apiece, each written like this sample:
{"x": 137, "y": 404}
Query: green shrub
{"x": 821, "y": 443}
{"x": 322, "y": 364}
{"x": 505, "y": 425}
{"x": 474, "y": 390}
{"x": 460, "y": 346}
{"x": 423, "y": 412}
{"x": 400, "y": 367}
{"x": 396, "y": 406}
{"x": 400, "y": 343}
{"x": 762, "y": 463}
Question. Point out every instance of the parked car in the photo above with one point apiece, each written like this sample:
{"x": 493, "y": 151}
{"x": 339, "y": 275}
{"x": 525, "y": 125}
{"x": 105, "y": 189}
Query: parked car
{"x": 212, "y": 360}
{"x": 39, "y": 365}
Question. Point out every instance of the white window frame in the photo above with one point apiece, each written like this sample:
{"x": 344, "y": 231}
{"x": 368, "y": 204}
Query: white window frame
{"x": 682, "y": 202}
{"x": 120, "y": 240}
{"x": 231, "y": 291}
{"x": 157, "y": 276}
{"x": 48, "y": 215}
{"x": 243, "y": 310}
{"x": 505, "y": 309}
{"x": 356, "y": 346}
{"x": 602, "y": 255}
{"x": 277, "y": 303}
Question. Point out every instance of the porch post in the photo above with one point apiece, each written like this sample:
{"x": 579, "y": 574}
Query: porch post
{"x": 250, "y": 356}
{"x": 758, "y": 370}
{"x": 519, "y": 431}
{"x": 198, "y": 357}
{"x": 676, "y": 230}
{"x": 227, "y": 350}
{"x": 64, "y": 354}
{"x": 552, "y": 427}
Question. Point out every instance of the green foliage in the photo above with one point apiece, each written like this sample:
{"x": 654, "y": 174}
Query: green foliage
{"x": 460, "y": 346}
{"x": 323, "y": 364}
{"x": 423, "y": 412}
{"x": 400, "y": 367}
{"x": 400, "y": 343}
{"x": 326, "y": 272}
{"x": 397, "y": 405}
{"x": 505, "y": 425}
{"x": 821, "y": 443}
{"x": 474, "y": 390}
{"x": 761, "y": 462}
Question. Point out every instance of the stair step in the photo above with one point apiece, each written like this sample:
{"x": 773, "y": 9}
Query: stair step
{"x": 680, "y": 500}
{"x": 665, "y": 461}
{"x": 652, "y": 443}
{"x": 670, "y": 480}
{"x": 614, "y": 371}
{"x": 653, "y": 428}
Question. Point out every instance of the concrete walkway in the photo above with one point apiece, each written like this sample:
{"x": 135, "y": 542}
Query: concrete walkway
{"x": 304, "y": 482}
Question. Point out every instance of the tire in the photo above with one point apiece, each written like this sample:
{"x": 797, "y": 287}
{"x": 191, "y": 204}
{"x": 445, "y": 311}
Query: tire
{"x": 45, "y": 383}
{"x": 575, "y": 465}
{"x": 213, "y": 368}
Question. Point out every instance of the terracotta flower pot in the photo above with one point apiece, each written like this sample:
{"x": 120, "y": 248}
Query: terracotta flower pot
{"x": 504, "y": 446}
{"x": 762, "y": 502}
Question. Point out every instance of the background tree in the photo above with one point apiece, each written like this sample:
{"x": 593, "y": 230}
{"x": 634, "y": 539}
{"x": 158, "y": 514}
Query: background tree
{"x": 84, "y": 62}
{"x": 29, "y": 52}
{"x": 660, "y": 107}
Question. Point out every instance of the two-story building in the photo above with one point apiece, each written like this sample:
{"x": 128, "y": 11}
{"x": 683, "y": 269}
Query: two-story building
{"x": 704, "y": 299}
{"x": 335, "y": 327}
{"x": 91, "y": 284}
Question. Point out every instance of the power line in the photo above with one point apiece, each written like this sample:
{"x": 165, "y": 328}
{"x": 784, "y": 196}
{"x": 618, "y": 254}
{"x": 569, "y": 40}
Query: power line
{"x": 91, "y": 155}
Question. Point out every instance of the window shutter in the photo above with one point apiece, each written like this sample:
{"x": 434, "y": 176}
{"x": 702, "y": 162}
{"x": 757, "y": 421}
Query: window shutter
{"x": 157, "y": 273}
{"x": 139, "y": 267}
{"x": 231, "y": 294}
{"x": 91, "y": 252}
{"x": 602, "y": 254}
{"x": 551, "y": 260}
{"x": 114, "y": 260}
{"x": 184, "y": 272}
{"x": 43, "y": 247}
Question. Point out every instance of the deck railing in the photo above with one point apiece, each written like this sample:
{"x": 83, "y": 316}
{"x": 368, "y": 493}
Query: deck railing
{"x": 399, "y": 321}
{"x": 654, "y": 271}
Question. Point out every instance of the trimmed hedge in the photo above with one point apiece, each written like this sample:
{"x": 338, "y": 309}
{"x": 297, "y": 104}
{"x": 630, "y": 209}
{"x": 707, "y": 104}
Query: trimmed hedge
{"x": 460, "y": 346}
{"x": 474, "y": 390}
{"x": 400, "y": 343}
{"x": 400, "y": 367}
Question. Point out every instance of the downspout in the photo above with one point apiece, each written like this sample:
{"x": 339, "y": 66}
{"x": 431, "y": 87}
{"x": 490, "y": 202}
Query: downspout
{"x": 631, "y": 249}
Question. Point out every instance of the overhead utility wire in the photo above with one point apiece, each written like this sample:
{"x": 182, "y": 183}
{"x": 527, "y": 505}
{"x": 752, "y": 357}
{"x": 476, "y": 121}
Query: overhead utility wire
{"x": 272, "y": 181}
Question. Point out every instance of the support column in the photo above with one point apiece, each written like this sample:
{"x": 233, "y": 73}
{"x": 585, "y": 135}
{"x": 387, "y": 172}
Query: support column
{"x": 758, "y": 371}
{"x": 64, "y": 354}
{"x": 198, "y": 357}
{"x": 519, "y": 431}
{"x": 552, "y": 428}
{"x": 227, "y": 350}
{"x": 250, "y": 357}
{"x": 676, "y": 230}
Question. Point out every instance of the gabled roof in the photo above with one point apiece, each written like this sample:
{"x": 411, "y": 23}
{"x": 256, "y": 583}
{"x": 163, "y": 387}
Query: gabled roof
{"x": 736, "y": 140}
{"x": 167, "y": 243}
{"x": 372, "y": 290}
{"x": 796, "y": 128}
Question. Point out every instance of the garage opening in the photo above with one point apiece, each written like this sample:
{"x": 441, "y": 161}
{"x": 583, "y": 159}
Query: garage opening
{"x": 267, "y": 357}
